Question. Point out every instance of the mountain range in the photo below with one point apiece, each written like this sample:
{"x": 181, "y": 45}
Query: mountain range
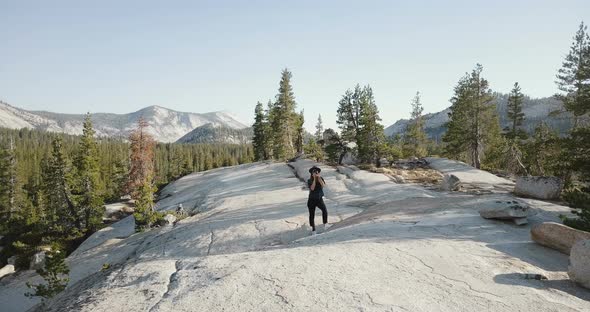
{"x": 165, "y": 125}
{"x": 536, "y": 110}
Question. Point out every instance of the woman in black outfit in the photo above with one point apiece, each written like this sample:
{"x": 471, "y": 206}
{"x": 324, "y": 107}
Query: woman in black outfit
{"x": 316, "y": 185}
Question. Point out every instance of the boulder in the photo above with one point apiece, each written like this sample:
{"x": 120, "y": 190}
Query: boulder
{"x": 180, "y": 211}
{"x": 170, "y": 219}
{"x": 399, "y": 179}
{"x": 450, "y": 182}
{"x": 6, "y": 270}
{"x": 579, "y": 268}
{"x": 558, "y": 236}
{"x": 349, "y": 159}
{"x": 506, "y": 210}
{"x": 383, "y": 162}
{"x": 539, "y": 187}
{"x": 38, "y": 261}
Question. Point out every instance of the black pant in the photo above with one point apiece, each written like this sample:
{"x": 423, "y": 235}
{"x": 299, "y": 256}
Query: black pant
{"x": 311, "y": 204}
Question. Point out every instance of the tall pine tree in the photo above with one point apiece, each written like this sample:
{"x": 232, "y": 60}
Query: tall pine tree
{"x": 7, "y": 184}
{"x": 141, "y": 163}
{"x": 370, "y": 135}
{"x": 319, "y": 129}
{"x": 259, "y": 133}
{"x": 299, "y": 121}
{"x": 515, "y": 114}
{"x": 141, "y": 175}
{"x": 284, "y": 123}
{"x": 62, "y": 216}
{"x": 89, "y": 195}
{"x": 268, "y": 142}
{"x": 573, "y": 78}
{"x": 415, "y": 137}
{"x": 473, "y": 126}
{"x": 358, "y": 119}
{"x": 348, "y": 115}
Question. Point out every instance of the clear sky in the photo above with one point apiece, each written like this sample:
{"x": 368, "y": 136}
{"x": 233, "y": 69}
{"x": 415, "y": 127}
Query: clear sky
{"x": 201, "y": 56}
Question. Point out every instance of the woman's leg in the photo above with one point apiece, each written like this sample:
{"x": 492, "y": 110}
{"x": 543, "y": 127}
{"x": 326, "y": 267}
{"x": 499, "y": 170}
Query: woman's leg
{"x": 322, "y": 206}
{"x": 311, "y": 207}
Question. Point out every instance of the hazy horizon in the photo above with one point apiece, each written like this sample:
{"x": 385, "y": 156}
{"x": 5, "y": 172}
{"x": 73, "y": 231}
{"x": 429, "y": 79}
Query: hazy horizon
{"x": 71, "y": 57}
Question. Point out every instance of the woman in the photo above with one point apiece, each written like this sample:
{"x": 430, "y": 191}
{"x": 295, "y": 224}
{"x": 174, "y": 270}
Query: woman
{"x": 316, "y": 185}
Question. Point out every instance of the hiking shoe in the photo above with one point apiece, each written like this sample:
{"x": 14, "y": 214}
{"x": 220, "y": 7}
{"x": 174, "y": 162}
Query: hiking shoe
{"x": 312, "y": 233}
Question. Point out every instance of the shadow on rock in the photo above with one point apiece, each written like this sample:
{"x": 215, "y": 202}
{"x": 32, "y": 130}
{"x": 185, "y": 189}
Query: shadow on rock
{"x": 522, "y": 279}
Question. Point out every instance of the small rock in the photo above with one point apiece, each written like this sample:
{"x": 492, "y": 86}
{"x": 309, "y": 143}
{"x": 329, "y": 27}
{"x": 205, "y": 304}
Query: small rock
{"x": 579, "y": 268}
{"x": 6, "y": 270}
{"x": 558, "y": 236}
{"x": 539, "y": 187}
{"x": 520, "y": 221}
{"x": 180, "y": 210}
{"x": 383, "y": 162}
{"x": 170, "y": 219}
{"x": 450, "y": 182}
{"x": 399, "y": 179}
{"x": 506, "y": 210}
{"x": 38, "y": 261}
{"x": 535, "y": 276}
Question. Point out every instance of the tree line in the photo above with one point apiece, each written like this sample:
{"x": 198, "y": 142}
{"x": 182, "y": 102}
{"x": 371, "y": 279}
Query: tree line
{"x": 53, "y": 187}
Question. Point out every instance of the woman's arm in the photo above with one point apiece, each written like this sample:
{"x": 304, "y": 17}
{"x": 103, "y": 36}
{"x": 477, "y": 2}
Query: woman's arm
{"x": 321, "y": 180}
{"x": 312, "y": 187}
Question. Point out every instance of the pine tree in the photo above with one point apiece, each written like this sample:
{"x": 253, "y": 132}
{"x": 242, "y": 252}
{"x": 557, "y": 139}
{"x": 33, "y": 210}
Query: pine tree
{"x": 456, "y": 137}
{"x": 313, "y": 150}
{"x": 299, "y": 121}
{"x": 474, "y": 125}
{"x": 144, "y": 213}
{"x": 90, "y": 200}
{"x": 542, "y": 151}
{"x": 284, "y": 119}
{"x": 8, "y": 183}
{"x": 349, "y": 114}
{"x": 358, "y": 119}
{"x": 259, "y": 133}
{"x": 573, "y": 78}
{"x": 319, "y": 129}
{"x": 334, "y": 146}
{"x": 515, "y": 114}
{"x": 370, "y": 135}
{"x": 142, "y": 157}
{"x": 117, "y": 181}
{"x": 578, "y": 195}
{"x": 415, "y": 137}
{"x": 62, "y": 216}
{"x": 5, "y": 190}
{"x": 268, "y": 142}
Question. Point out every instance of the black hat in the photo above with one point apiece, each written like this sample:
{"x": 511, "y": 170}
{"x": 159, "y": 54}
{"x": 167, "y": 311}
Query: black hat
{"x": 314, "y": 168}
